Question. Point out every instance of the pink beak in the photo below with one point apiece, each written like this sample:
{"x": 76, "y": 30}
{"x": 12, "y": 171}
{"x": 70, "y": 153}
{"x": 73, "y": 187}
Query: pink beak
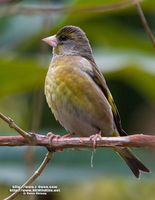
{"x": 52, "y": 40}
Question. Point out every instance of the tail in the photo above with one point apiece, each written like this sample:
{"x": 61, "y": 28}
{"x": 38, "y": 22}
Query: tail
{"x": 134, "y": 163}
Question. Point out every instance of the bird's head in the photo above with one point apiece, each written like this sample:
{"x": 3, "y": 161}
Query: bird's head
{"x": 70, "y": 40}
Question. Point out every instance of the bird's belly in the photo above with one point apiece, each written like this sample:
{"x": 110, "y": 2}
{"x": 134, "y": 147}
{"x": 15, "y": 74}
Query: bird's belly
{"x": 67, "y": 97}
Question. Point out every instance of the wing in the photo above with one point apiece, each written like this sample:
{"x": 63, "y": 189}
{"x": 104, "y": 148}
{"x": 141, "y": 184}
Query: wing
{"x": 100, "y": 81}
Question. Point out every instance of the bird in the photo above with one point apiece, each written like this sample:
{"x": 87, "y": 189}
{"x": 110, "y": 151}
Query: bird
{"x": 78, "y": 95}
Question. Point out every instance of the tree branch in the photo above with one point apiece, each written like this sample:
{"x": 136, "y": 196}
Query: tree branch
{"x": 137, "y": 140}
{"x": 37, "y": 173}
{"x": 144, "y": 22}
{"x": 31, "y": 10}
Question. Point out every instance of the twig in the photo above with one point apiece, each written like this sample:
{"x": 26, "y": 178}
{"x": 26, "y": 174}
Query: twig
{"x": 12, "y": 124}
{"x": 144, "y": 21}
{"x": 31, "y": 10}
{"x": 37, "y": 173}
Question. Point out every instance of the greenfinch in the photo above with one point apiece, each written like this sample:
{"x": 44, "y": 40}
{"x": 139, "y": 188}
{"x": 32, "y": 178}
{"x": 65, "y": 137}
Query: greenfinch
{"x": 78, "y": 95}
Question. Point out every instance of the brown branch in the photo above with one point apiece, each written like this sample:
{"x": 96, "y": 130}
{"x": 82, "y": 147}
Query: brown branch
{"x": 31, "y": 10}
{"x": 138, "y": 140}
{"x": 144, "y": 21}
{"x": 12, "y": 124}
{"x": 34, "y": 176}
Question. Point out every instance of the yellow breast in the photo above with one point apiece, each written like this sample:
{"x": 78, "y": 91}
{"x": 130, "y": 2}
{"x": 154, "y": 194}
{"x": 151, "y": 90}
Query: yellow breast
{"x": 61, "y": 83}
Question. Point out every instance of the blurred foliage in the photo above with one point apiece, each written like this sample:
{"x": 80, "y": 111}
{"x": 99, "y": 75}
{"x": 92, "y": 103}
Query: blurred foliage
{"x": 108, "y": 188}
{"x": 20, "y": 75}
{"x": 125, "y": 55}
{"x": 134, "y": 76}
{"x": 112, "y": 188}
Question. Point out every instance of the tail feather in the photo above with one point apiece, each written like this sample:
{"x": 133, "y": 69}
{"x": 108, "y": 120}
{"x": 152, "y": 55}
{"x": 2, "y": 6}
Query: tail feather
{"x": 132, "y": 161}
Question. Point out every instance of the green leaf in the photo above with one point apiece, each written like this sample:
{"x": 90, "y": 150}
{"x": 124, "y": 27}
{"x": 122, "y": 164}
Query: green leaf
{"x": 142, "y": 81}
{"x": 20, "y": 75}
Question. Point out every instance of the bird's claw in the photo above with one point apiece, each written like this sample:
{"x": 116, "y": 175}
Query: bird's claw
{"x": 94, "y": 138}
{"x": 57, "y": 137}
{"x": 68, "y": 135}
{"x": 52, "y": 136}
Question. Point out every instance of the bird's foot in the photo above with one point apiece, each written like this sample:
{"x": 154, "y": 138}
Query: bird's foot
{"x": 94, "y": 138}
{"x": 55, "y": 136}
{"x": 52, "y": 136}
{"x": 68, "y": 135}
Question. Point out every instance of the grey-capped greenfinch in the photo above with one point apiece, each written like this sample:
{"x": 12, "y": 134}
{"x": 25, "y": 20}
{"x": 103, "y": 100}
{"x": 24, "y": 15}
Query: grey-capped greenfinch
{"x": 78, "y": 95}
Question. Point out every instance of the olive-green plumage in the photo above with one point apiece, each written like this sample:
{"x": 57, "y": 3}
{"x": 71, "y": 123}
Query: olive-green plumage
{"x": 77, "y": 93}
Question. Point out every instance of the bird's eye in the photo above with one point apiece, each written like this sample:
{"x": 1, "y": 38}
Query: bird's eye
{"x": 63, "y": 38}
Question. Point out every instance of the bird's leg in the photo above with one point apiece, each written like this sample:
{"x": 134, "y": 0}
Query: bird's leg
{"x": 95, "y": 137}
